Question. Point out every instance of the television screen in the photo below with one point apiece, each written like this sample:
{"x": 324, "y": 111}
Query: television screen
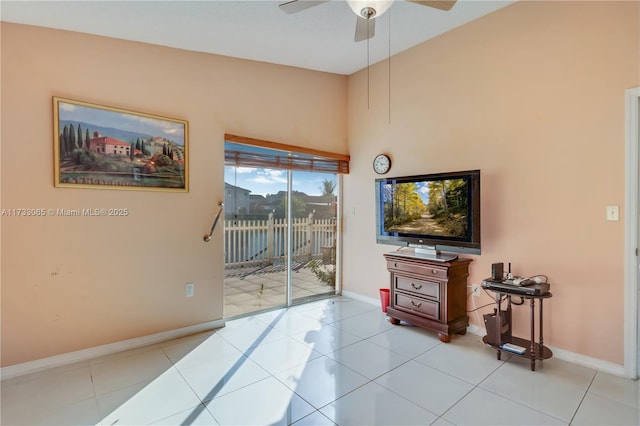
{"x": 440, "y": 211}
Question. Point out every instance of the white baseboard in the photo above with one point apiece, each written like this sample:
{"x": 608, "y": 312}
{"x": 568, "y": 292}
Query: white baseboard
{"x": 587, "y": 361}
{"x": 477, "y": 330}
{"x": 572, "y": 357}
{"x": 360, "y": 297}
{"x": 98, "y": 351}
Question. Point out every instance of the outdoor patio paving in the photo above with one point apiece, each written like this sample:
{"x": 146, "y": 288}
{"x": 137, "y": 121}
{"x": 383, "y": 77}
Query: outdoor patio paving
{"x": 252, "y": 289}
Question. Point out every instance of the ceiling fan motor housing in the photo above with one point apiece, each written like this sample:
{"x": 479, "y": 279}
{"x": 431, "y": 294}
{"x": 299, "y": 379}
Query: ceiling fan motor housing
{"x": 369, "y": 9}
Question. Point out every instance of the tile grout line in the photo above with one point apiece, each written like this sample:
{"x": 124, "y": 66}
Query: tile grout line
{"x": 583, "y": 397}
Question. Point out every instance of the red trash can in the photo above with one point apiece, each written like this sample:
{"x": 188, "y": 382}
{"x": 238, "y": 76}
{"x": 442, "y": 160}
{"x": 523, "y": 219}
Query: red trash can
{"x": 384, "y": 298}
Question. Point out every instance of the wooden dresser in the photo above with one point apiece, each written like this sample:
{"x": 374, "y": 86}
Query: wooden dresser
{"x": 428, "y": 293}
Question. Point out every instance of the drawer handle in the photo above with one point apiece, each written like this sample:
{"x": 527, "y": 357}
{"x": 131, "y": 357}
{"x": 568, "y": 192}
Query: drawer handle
{"x": 416, "y": 287}
{"x": 395, "y": 265}
{"x": 434, "y": 271}
{"x": 416, "y": 305}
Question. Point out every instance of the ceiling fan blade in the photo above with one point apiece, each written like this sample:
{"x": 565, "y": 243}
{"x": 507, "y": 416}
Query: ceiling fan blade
{"x": 295, "y": 6}
{"x": 365, "y": 28}
{"x": 438, "y": 4}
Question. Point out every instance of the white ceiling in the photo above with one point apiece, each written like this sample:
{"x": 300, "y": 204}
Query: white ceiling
{"x": 319, "y": 38}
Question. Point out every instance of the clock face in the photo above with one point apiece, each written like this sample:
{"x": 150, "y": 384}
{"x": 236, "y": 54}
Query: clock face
{"x": 381, "y": 164}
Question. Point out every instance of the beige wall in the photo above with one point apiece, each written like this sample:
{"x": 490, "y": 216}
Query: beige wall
{"x": 70, "y": 283}
{"x": 533, "y": 95}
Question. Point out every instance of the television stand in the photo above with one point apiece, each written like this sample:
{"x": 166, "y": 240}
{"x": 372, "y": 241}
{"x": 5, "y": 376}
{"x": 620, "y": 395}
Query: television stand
{"x": 428, "y": 293}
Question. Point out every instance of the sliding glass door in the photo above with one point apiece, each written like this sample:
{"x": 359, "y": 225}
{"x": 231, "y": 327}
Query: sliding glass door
{"x": 314, "y": 234}
{"x": 281, "y": 229}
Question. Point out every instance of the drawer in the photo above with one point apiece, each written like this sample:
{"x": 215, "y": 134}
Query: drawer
{"x": 421, "y": 287}
{"x": 415, "y": 268}
{"x": 418, "y": 305}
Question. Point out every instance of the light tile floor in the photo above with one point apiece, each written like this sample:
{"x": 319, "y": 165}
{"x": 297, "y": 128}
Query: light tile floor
{"x": 335, "y": 361}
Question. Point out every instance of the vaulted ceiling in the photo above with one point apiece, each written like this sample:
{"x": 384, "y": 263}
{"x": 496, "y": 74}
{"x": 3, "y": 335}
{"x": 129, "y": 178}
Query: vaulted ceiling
{"x": 318, "y": 38}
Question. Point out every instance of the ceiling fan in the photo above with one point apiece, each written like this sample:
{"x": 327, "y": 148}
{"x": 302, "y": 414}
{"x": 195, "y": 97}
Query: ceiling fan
{"x": 365, "y": 10}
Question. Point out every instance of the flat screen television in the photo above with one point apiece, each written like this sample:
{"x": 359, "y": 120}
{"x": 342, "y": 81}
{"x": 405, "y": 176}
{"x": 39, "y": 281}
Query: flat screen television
{"x": 434, "y": 213}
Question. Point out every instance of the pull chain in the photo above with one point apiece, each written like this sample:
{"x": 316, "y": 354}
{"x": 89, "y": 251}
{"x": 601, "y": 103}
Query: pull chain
{"x": 368, "y": 66}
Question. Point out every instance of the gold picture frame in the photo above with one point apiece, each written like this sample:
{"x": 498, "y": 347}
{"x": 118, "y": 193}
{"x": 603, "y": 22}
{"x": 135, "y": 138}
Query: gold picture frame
{"x": 104, "y": 147}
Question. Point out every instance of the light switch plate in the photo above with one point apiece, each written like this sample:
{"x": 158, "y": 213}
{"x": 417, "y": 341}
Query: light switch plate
{"x": 188, "y": 290}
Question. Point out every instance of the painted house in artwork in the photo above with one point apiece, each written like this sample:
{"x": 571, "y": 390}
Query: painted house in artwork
{"x": 107, "y": 145}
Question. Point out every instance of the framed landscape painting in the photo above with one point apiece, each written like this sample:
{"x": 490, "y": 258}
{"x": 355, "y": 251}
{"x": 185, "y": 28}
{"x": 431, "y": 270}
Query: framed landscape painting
{"x": 104, "y": 147}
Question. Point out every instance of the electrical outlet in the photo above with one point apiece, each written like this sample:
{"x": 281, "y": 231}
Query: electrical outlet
{"x": 188, "y": 290}
{"x": 613, "y": 213}
{"x": 475, "y": 290}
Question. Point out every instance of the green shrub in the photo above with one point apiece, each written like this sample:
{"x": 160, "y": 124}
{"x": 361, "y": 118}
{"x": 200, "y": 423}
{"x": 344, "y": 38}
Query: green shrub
{"x": 326, "y": 274}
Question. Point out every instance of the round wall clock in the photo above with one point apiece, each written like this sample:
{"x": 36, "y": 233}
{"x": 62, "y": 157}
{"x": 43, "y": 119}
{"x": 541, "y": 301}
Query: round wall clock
{"x": 381, "y": 164}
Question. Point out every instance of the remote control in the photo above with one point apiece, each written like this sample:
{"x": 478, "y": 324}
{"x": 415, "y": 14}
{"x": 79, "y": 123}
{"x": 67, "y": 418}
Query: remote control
{"x": 513, "y": 348}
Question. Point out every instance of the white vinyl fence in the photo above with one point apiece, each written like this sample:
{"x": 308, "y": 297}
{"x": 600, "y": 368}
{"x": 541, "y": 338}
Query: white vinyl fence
{"x": 256, "y": 242}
